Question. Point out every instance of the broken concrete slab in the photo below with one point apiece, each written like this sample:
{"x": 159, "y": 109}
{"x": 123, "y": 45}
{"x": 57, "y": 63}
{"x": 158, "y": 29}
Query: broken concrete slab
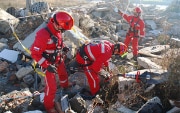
{"x": 24, "y": 71}
{"x": 147, "y": 63}
{"x": 174, "y": 110}
{"x": 155, "y": 49}
{"x": 9, "y": 55}
{"x": 175, "y": 42}
{"x": 7, "y": 18}
{"x": 27, "y": 42}
{"x": 75, "y": 36}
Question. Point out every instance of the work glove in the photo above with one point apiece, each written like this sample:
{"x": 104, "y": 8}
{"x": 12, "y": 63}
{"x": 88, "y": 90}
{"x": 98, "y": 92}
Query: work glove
{"x": 106, "y": 75}
{"x": 66, "y": 49}
{"x": 52, "y": 69}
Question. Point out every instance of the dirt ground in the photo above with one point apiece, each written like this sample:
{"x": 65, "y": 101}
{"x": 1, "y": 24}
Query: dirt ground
{"x": 4, "y": 4}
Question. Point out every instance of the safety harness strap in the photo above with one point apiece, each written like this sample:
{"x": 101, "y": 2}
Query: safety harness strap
{"x": 83, "y": 53}
{"x": 52, "y": 57}
{"x": 54, "y": 38}
{"x": 132, "y": 29}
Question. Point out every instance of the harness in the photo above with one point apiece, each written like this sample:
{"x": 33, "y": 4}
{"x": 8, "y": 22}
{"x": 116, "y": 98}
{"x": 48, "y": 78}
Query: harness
{"x": 52, "y": 57}
{"x": 132, "y": 29}
{"x": 83, "y": 54}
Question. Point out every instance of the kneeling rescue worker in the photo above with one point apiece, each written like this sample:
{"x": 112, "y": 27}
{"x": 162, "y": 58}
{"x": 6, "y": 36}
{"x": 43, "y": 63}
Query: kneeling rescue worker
{"x": 94, "y": 56}
{"x": 47, "y": 51}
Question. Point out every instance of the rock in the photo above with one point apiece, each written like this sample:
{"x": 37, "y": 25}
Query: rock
{"x": 24, "y": 71}
{"x": 124, "y": 109}
{"x": 151, "y": 23}
{"x": 27, "y": 42}
{"x": 174, "y": 110}
{"x": 3, "y": 66}
{"x": 155, "y": 49}
{"x": 153, "y": 105}
{"x": 175, "y": 42}
{"x": 6, "y": 17}
{"x": 75, "y": 36}
{"x": 147, "y": 63}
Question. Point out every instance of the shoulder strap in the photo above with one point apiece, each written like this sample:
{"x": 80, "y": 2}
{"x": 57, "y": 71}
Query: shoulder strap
{"x": 132, "y": 19}
{"x": 137, "y": 22}
{"x": 83, "y": 53}
{"x": 54, "y": 38}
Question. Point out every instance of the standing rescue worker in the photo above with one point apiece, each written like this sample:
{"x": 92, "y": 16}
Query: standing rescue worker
{"x": 47, "y": 51}
{"x": 94, "y": 56}
{"x": 136, "y": 31}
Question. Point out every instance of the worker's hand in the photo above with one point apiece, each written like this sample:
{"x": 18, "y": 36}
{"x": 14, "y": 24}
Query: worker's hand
{"x": 52, "y": 69}
{"x": 66, "y": 49}
{"x": 105, "y": 74}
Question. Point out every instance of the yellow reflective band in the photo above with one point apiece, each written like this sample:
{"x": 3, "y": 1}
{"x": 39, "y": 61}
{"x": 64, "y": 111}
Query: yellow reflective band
{"x": 38, "y": 71}
{"x": 124, "y": 54}
{"x": 29, "y": 52}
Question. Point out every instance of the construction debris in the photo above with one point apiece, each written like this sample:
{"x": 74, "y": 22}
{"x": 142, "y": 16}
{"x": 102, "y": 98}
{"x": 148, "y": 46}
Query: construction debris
{"x": 150, "y": 83}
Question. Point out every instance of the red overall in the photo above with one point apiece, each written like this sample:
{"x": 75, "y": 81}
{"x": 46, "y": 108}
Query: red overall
{"x": 98, "y": 54}
{"x": 136, "y": 30}
{"x": 44, "y": 44}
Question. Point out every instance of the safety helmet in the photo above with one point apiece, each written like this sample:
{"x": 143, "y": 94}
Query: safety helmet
{"x": 120, "y": 49}
{"x": 64, "y": 20}
{"x": 137, "y": 10}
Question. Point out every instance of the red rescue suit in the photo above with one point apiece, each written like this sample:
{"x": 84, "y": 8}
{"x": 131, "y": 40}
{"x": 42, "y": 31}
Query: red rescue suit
{"x": 44, "y": 44}
{"x": 98, "y": 55}
{"x": 136, "y": 30}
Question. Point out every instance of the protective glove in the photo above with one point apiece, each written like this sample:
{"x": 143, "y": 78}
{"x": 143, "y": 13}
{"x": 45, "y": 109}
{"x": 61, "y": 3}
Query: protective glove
{"x": 66, "y": 49}
{"x": 52, "y": 69}
{"x": 106, "y": 75}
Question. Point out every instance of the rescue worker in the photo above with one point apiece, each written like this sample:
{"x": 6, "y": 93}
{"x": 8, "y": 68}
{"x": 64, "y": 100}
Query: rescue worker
{"x": 92, "y": 57}
{"x": 47, "y": 51}
{"x": 136, "y": 31}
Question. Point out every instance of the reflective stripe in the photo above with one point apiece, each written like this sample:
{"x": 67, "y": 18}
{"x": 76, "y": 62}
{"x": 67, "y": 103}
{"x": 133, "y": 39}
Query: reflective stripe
{"x": 102, "y": 47}
{"x": 50, "y": 41}
{"x": 41, "y": 60}
{"x": 49, "y": 51}
{"x": 63, "y": 81}
{"x": 90, "y": 53}
{"x": 141, "y": 35}
{"x": 94, "y": 82}
{"x": 47, "y": 86}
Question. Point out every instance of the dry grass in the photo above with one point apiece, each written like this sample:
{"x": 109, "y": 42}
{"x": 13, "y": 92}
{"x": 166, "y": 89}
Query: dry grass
{"x": 4, "y": 4}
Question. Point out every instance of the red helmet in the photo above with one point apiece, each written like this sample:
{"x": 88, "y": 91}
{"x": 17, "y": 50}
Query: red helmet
{"x": 120, "y": 48}
{"x": 64, "y": 20}
{"x": 137, "y": 10}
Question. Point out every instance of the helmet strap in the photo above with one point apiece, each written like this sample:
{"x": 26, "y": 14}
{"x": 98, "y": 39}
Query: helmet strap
{"x": 55, "y": 20}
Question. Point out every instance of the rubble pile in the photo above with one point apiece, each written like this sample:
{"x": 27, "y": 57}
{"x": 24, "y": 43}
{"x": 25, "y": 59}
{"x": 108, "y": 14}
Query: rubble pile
{"x": 158, "y": 63}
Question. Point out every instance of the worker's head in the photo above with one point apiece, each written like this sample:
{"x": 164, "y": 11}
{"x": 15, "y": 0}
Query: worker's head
{"x": 120, "y": 49}
{"x": 137, "y": 11}
{"x": 62, "y": 21}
